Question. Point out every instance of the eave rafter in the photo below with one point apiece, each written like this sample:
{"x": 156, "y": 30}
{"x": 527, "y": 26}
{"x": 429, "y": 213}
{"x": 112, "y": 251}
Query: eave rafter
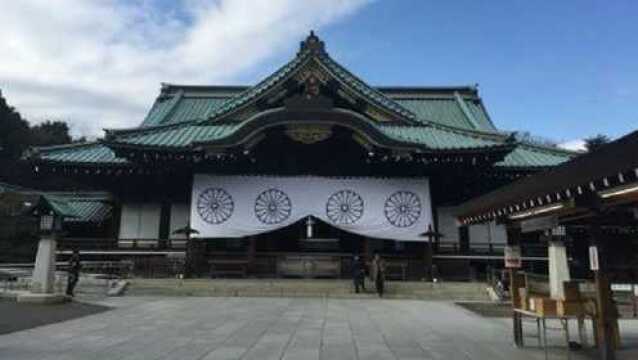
{"x": 613, "y": 190}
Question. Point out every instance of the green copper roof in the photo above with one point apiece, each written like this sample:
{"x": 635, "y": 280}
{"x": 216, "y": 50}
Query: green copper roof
{"x": 4, "y": 187}
{"x": 58, "y": 205}
{"x": 442, "y": 110}
{"x": 364, "y": 89}
{"x": 438, "y": 138}
{"x": 446, "y": 111}
{"x": 526, "y": 156}
{"x": 443, "y": 118}
{"x": 86, "y": 153}
{"x": 306, "y": 55}
{"x": 177, "y": 109}
{"x": 180, "y": 136}
{"x": 90, "y": 211}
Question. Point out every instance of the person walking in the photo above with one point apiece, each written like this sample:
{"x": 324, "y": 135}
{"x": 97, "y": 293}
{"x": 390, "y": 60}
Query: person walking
{"x": 73, "y": 272}
{"x": 358, "y": 274}
{"x": 377, "y": 273}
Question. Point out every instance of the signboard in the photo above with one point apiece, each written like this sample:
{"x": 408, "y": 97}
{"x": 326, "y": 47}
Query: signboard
{"x": 539, "y": 224}
{"x": 593, "y": 258}
{"x": 513, "y": 257}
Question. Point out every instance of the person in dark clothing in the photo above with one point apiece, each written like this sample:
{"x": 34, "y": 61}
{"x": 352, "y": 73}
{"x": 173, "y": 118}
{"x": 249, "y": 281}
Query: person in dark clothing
{"x": 358, "y": 274}
{"x": 73, "y": 272}
{"x": 377, "y": 273}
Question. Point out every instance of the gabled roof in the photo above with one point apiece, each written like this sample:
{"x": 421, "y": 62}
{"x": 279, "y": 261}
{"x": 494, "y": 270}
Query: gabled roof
{"x": 77, "y": 207}
{"x": 428, "y": 118}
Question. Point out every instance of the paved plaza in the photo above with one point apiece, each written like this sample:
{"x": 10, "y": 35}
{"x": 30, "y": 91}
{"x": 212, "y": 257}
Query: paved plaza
{"x": 271, "y": 328}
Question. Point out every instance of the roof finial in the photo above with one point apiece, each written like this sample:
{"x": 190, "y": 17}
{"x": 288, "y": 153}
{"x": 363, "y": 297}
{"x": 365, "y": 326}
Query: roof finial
{"x": 312, "y": 43}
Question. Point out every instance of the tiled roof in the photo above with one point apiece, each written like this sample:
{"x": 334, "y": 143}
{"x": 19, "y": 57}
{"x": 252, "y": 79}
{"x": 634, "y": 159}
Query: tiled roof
{"x": 4, "y": 187}
{"x": 439, "y": 117}
{"x": 179, "y": 136}
{"x": 439, "y": 138}
{"x": 177, "y": 109}
{"x": 58, "y": 205}
{"x": 86, "y": 153}
{"x": 527, "y": 155}
{"x": 88, "y": 207}
{"x": 445, "y": 110}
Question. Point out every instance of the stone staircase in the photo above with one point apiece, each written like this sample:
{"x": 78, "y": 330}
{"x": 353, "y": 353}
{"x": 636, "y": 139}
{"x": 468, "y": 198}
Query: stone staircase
{"x": 444, "y": 291}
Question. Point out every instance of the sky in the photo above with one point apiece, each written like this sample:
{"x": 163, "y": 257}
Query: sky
{"x": 562, "y": 70}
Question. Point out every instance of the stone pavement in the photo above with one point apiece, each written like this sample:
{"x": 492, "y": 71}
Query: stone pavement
{"x": 270, "y": 328}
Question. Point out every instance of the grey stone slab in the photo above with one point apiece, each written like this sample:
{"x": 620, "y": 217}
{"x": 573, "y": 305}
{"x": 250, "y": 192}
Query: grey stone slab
{"x": 283, "y": 328}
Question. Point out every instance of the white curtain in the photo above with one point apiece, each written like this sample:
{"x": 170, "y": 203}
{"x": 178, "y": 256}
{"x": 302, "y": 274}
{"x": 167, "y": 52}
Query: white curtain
{"x": 238, "y": 206}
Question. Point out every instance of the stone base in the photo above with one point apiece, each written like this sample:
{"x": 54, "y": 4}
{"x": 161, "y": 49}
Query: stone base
{"x": 33, "y": 298}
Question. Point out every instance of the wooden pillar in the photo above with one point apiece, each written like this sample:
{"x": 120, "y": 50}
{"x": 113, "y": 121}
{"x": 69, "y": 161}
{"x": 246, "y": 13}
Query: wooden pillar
{"x": 367, "y": 256}
{"x": 464, "y": 239}
{"x": 516, "y": 282}
{"x": 251, "y": 252}
{"x": 427, "y": 259}
{"x": 606, "y": 317}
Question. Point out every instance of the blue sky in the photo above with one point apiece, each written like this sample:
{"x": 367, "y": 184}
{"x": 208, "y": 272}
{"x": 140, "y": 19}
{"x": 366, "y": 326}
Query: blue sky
{"x": 559, "y": 69}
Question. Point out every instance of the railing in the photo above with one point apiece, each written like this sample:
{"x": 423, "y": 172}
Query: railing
{"x": 528, "y": 250}
{"x": 121, "y": 244}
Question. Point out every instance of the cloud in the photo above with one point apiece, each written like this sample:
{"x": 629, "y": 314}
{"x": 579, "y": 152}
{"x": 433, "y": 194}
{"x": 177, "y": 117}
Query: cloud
{"x": 99, "y": 64}
{"x": 575, "y": 145}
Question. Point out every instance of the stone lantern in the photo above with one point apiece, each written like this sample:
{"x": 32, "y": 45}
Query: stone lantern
{"x": 51, "y": 212}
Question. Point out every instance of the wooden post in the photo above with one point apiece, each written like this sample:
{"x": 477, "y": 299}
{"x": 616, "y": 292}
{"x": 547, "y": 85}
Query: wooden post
{"x": 634, "y": 299}
{"x": 366, "y": 249}
{"x": 251, "y": 252}
{"x": 513, "y": 239}
{"x": 606, "y": 320}
{"x": 427, "y": 258}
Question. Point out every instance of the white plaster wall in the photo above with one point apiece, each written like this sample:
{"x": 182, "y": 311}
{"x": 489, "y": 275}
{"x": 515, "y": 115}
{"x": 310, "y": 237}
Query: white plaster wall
{"x": 447, "y": 224}
{"x": 486, "y": 233}
{"x": 140, "y": 221}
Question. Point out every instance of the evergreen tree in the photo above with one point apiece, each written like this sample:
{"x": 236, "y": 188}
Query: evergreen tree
{"x": 50, "y": 133}
{"x": 14, "y": 132}
{"x": 595, "y": 142}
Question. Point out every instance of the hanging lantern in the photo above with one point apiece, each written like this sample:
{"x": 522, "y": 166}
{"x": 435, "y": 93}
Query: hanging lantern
{"x": 309, "y": 223}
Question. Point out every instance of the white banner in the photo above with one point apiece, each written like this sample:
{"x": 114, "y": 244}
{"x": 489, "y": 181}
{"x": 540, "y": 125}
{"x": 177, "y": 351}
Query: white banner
{"x": 238, "y": 206}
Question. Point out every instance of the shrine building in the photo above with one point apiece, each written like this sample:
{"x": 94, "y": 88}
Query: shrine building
{"x": 296, "y": 174}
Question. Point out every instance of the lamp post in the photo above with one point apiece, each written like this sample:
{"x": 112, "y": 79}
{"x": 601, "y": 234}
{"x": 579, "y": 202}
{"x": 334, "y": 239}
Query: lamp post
{"x": 430, "y": 234}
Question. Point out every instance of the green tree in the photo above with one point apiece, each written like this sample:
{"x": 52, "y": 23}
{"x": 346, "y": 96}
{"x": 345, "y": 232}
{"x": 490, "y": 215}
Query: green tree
{"x": 595, "y": 142}
{"x": 50, "y": 133}
{"x": 14, "y": 132}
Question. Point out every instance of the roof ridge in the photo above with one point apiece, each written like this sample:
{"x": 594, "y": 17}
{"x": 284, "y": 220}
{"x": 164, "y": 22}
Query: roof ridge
{"x": 175, "y": 100}
{"x": 466, "y": 112}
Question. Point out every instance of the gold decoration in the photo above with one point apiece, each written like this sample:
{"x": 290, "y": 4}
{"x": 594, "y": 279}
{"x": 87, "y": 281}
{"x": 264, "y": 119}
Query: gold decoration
{"x": 309, "y": 134}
